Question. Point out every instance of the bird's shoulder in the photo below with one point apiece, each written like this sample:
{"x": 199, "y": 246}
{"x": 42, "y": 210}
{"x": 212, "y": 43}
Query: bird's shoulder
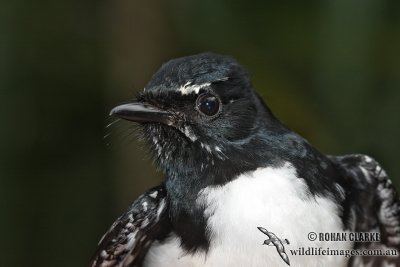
{"x": 130, "y": 236}
{"x": 375, "y": 204}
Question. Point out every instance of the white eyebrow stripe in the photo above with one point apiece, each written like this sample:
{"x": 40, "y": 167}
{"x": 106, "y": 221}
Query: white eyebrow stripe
{"x": 188, "y": 88}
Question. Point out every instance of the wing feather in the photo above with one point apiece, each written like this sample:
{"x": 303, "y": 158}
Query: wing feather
{"x": 375, "y": 204}
{"x": 129, "y": 238}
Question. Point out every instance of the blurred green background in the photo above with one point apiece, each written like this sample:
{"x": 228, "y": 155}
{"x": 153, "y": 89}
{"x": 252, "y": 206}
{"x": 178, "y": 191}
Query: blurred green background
{"x": 329, "y": 69}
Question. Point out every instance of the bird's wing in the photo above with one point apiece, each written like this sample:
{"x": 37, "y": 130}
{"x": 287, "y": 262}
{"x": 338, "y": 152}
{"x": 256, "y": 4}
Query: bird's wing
{"x": 376, "y": 207}
{"x": 129, "y": 238}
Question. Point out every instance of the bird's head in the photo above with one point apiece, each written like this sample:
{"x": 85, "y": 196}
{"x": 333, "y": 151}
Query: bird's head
{"x": 196, "y": 111}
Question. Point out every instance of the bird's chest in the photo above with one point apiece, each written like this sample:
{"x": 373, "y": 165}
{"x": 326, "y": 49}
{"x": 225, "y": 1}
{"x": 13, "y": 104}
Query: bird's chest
{"x": 274, "y": 199}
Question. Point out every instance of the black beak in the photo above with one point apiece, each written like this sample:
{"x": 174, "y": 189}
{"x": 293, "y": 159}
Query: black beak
{"x": 141, "y": 112}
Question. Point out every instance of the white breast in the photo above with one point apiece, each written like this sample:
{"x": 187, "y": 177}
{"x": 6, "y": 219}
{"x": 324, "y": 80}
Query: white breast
{"x": 274, "y": 199}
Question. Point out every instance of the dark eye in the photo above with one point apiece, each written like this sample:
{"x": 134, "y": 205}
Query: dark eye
{"x": 208, "y": 104}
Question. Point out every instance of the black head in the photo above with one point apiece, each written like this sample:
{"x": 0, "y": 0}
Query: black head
{"x": 196, "y": 111}
{"x": 206, "y": 125}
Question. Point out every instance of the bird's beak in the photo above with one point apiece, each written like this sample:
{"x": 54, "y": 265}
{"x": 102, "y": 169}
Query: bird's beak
{"x": 141, "y": 112}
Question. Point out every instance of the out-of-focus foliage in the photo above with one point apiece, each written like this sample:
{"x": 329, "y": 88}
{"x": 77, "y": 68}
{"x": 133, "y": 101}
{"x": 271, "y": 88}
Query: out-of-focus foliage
{"x": 329, "y": 69}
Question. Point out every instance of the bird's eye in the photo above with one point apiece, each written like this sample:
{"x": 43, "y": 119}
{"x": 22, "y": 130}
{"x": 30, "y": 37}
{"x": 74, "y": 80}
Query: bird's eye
{"x": 207, "y": 104}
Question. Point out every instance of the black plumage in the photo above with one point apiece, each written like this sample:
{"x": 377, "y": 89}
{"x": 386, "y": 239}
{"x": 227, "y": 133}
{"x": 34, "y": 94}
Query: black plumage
{"x": 200, "y": 148}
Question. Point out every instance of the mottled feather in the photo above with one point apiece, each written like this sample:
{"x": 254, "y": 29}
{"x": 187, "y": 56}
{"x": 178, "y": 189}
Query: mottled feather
{"x": 375, "y": 204}
{"x": 129, "y": 238}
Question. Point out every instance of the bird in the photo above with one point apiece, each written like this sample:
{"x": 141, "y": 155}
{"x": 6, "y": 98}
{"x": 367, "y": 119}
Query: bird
{"x": 273, "y": 240}
{"x": 231, "y": 166}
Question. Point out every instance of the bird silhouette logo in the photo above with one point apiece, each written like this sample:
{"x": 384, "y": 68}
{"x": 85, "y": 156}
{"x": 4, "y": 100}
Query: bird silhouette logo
{"x": 273, "y": 240}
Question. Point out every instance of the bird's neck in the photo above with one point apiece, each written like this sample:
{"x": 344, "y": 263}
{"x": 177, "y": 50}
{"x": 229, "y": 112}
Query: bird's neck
{"x": 189, "y": 175}
{"x": 271, "y": 145}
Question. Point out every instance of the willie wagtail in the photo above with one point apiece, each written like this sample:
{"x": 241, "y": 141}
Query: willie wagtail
{"x": 230, "y": 168}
